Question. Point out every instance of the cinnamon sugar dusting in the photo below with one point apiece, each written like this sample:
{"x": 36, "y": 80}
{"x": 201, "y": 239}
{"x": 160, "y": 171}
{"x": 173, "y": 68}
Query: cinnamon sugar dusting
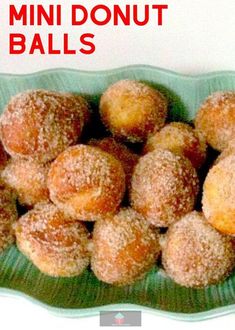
{"x": 164, "y": 187}
{"x": 28, "y": 179}
{"x": 195, "y": 254}
{"x": 56, "y": 244}
{"x": 40, "y": 124}
{"x": 125, "y": 248}
{"x": 216, "y": 119}
{"x": 132, "y": 110}
{"x": 86, "y": 182}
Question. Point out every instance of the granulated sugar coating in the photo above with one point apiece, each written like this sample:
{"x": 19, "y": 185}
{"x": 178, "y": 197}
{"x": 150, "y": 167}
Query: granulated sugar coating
{"x": 55, "y": 243}
{"x": 40, "y": 124}
{"x": 182, "y": 139}
{"x": 83, "y": 106}
{"x": 132, "y": 110}
{"x": 219, "y": 196}
{"x": 28, "y": 178}
{"x": 125, "y": 247}
{"x": 195, "y": 254}
{"x": 121, "y": 152}
{"x": 216, "y": 119}
{"x": 164, "y": 187}
{"x": 8, "y": 215}
{"x": 86, "y": 182}
{"x": 228, "y": 151}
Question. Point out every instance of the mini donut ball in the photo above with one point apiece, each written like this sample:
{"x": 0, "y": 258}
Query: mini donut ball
{"x": 40, "y": 124}
{"x": 182, "y": 139}
{"x": 132, "y": 110}
{"x": 8, "y": 215}
{"x": 56, "y": 244}
{"x": 28, "y": 179}
{"x": 219, "y": 196}
{"x": 121, "y": 152}
{"x": 164, "y": 187}
{"x": 125, "y": 247}
{"x": 86, "y": 182}
{"x": 195, "y": 254}
{"x": 216, "y": 119}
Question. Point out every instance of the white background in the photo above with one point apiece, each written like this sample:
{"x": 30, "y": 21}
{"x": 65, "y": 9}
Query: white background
{"x": 197, "y": 36}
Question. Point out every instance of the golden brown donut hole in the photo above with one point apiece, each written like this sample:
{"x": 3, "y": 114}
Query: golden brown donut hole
{"x": 182, "y": 139}
{"x": 216, "y": 119}
{"x": 219, "y": 195}
{"x": 40, "y": 124}
{"x": 86, "y": 182}
{"x": 56, "y": 244}
{"x": 125, "y": 248}
{"x": 28, "y": 178}
{"x": 195, "y": 254}
{"x": 132, "y": 110}
{"x": 164, "y": 187}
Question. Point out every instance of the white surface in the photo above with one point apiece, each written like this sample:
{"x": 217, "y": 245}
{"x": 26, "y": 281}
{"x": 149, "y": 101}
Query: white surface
{"x": 197, "y": 36}
{"x": 20, "y": 314}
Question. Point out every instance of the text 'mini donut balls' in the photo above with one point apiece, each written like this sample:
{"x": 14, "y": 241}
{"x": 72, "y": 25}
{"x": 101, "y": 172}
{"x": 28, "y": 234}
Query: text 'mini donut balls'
{"x": 28, "y": 178}
{"x": 86, "y": 182}
{"x": 8, "y": 215}
{"x": 195, "y": 254}
{"x": 121, "y": 152}
{"x": 132, "y": 110}
{"x": 125, "y": 247}
{"x": 55, "y": 243}
{"x": 164, "y": 187}
{"x": 216, "y": 119}
{"x": 182, "y": 139}
{"x": 219, "y": 196}
{"x": 40, "y": 124}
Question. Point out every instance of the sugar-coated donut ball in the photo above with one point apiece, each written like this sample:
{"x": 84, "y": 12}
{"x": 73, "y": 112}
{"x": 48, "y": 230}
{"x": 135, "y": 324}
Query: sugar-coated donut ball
{"x": 28, "y": 178}
{"x": 181, "y": 139}
{"x": 56, "y": 244}
{"x": 125, "y": 247}
{"x": 40, "y": 124}
{"x": 8, "y": 215}
{"x": 164, "y": 187}
{"x": 219, "y": 196}
{"x": 3, "y": 157}
{"x": 216, "y": 119}
{"x": 195, "y": 254}
{"x": 132, "y": 110}
{"x": 121, "y": 152}
{"x": 86, "y": 182}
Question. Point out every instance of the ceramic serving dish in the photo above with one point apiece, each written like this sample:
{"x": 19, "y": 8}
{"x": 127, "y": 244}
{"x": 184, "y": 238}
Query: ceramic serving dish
{"x": 85, "y": 295}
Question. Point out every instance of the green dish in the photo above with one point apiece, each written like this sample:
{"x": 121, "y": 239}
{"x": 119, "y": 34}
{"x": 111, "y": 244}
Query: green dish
{"x": 85, "y": 295}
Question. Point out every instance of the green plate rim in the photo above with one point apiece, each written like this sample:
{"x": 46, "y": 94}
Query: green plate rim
{"x": 93, "y": 311}
{"x": 123, "y": 69}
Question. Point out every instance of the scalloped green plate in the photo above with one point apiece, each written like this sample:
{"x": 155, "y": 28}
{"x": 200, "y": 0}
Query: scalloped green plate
{"x": 85, "y": 295}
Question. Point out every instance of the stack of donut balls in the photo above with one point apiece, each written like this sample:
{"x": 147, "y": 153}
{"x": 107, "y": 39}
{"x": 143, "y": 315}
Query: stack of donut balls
{"x": 124, "y": 200}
